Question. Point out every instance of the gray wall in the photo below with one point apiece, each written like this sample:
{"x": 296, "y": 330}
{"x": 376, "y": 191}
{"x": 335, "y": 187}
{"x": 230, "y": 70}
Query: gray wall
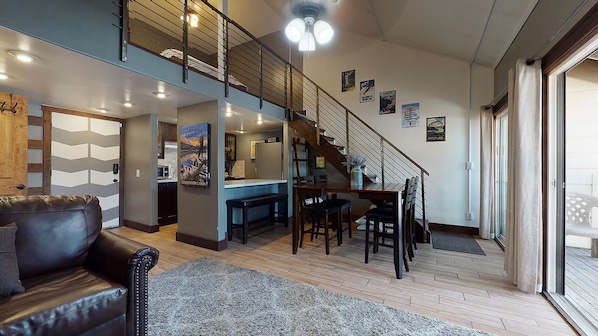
{"x": 141, "y": 193}
{"x": 535, "y": 36}
{"x": 202, "y": 211}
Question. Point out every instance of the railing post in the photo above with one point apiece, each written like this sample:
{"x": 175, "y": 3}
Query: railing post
{"x": 124, "y": 29}
{"x": 382, "y": 178}
{"x": 287, "y": 67}
{"x": 225, "y": 52}
{"x": 423, "y": 190}
{"x": 185, "y": 43}
{"x": 347, "y": 141}
{"x": 261, "y": 70}
{"x": 291, "y": 89}
{"x": 318, "y": 115}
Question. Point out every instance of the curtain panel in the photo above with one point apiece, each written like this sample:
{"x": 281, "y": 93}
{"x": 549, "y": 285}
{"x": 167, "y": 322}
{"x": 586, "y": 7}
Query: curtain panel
{"x": 523, "y": 250}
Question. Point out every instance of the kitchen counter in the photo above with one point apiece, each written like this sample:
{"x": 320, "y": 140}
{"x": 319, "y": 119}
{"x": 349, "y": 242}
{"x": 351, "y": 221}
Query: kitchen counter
{"x": 167, "y": 180}
{"x": 250, "y": 183}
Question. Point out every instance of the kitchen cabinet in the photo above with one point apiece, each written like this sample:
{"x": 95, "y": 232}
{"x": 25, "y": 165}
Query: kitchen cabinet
{"x": 167, "y": 202}
{"x": 166, "y": 132}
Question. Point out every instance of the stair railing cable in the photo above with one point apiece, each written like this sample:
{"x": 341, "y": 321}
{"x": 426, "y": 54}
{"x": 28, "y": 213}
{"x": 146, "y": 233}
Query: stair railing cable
{"x": 236, "y": 54}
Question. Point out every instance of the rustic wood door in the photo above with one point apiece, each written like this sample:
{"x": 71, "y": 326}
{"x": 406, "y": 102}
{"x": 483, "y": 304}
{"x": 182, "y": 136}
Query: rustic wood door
{"x": 13, "y": 144}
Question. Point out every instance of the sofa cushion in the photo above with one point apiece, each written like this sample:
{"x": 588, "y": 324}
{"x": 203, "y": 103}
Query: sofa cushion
{"x": 69, "y": 302}
{"x": 54, "y": 231}
{"x": 9, "y": 276}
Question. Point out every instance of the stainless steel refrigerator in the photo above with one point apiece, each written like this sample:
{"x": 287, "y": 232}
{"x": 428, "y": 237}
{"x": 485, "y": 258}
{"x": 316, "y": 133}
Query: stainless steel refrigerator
{"x": 268, "y": 160}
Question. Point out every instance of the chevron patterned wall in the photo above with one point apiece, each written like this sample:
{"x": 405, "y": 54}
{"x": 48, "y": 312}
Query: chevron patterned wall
{"x": 83, "y": 152}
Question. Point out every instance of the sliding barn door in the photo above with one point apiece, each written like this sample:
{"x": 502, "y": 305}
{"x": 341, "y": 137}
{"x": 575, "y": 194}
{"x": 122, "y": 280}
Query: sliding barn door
{"x": 84, "y": 151}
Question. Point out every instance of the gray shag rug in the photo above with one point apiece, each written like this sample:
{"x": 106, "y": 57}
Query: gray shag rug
{"x": 209, "y": 297}
{"x": 457, "y": 242}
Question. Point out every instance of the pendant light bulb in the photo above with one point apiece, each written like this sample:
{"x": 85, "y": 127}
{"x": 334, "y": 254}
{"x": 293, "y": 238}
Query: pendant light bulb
{"x": 295, "y": 29}
{"x": 323, "y": 32}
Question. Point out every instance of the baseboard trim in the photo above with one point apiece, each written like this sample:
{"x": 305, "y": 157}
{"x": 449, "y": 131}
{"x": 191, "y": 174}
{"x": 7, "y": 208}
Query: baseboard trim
{"x": 201, "y": 242}
{"x": 141, "y": 227}
{"x": 454, "y": 228}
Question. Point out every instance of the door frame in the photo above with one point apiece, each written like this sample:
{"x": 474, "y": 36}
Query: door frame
{"x": 47, "y": 152}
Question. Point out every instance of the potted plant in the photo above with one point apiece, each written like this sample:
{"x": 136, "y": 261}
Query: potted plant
{"x": 357, "y": 162}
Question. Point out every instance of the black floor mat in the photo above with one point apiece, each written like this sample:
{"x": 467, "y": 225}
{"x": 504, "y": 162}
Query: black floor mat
{"x": 458, "y": 242}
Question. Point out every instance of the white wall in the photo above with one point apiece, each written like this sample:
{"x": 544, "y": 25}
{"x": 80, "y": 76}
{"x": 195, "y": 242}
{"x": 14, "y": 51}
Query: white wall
{"x": 442, "y": 87}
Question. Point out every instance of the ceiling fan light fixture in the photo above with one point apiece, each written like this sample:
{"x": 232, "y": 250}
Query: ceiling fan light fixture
{"x": 295, "y": 29}
{"x": 323, "y": 32}
{"x": 307, "y": 42}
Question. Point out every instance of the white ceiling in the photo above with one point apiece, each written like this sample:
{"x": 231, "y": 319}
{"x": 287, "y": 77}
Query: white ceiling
{"x": 477, "y": 31}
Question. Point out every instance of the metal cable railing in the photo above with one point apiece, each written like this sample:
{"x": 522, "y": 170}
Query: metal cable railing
{"x": 199, "y": 37}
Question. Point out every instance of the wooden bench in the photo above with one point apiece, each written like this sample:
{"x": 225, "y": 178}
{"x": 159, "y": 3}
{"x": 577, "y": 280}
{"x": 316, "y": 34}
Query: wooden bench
{"x": 254, "y": 201}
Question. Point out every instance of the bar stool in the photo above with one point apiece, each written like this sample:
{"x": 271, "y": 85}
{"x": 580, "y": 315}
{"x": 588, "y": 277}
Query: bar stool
{"x": 343, "y": 204}
{"x": 313, "y": 208}
{"x": 379, "y": 216}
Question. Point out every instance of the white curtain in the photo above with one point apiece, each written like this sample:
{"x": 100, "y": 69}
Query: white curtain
{"x": 523, "y": 250}
{"x": 486, "y": 172}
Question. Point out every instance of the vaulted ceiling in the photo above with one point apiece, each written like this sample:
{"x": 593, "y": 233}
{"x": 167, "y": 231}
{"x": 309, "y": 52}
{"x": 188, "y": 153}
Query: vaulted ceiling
{"x": 476, "y": 31}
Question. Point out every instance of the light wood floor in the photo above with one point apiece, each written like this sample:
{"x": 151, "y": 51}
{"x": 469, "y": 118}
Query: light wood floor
{"x": 464, "y": 289}
{"x": 581, "y": 275}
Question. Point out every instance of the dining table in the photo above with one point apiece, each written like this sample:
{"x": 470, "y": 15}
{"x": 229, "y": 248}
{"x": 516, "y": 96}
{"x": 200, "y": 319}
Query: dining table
{"x": 388, "y": 192}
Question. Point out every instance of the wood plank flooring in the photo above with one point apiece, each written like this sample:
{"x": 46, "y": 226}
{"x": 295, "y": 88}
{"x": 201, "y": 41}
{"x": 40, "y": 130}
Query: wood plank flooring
{"x": 581, "y": 275}
{"x": 464, "y": 289}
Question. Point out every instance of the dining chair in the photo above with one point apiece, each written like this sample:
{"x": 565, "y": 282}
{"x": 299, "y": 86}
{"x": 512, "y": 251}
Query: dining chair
{"x": 343, "y": 204}
{"x": 375, "y": 219}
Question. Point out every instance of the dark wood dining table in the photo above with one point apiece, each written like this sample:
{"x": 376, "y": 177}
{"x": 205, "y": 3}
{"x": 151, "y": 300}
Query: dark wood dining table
{"x": 390, "y": 192}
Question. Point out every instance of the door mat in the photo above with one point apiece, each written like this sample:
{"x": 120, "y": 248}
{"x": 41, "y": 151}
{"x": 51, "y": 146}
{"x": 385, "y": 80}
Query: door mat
{"x": 457, "y": 242}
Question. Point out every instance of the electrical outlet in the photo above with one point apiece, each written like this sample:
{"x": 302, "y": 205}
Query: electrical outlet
{"x": 137, "y": 174}
{"x": 468, "y": 215}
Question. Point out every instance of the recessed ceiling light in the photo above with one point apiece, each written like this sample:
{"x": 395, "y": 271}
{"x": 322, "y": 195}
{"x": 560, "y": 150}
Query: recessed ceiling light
{"x": 127, "y": 104}
{"x": 3, "y": 76}
{"x": 103, "y": 109}
{"x": 160, "y": 95}
{"x": 260, "y": 121}
{"x": 23, "y": 56}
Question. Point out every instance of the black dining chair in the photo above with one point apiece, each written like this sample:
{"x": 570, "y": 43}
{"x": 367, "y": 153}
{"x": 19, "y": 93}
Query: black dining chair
{"x": 376, "y": 219}
{"x": 343, "y": 204}
{"x": 316, "y": 212}
{"x": 316, "y": 217}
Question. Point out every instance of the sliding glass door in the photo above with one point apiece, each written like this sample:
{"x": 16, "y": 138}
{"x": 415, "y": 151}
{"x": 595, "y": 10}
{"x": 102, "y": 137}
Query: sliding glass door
{"x": 501, "y": 177}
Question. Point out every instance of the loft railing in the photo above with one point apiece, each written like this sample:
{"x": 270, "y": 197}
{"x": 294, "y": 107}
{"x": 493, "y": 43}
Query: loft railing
{"x": 196, "y": 35}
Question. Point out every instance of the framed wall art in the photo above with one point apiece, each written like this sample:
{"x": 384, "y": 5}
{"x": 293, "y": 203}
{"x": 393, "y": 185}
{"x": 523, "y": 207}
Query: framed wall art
{"x": 252, "y": 144}
{"x": 367, "y": 91}
{"x": 348, "y": 80}
{"x": 436, "y": 129}
{"x": 388, "y": 102}
{"x": 194, "y": 146}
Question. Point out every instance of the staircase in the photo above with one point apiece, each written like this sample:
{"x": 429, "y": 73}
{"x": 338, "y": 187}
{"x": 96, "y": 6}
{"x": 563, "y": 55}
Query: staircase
{"x": 325, "y": 145}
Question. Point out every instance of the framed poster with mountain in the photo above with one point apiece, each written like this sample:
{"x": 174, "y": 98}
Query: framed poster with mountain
{"x": 195, "y": 155}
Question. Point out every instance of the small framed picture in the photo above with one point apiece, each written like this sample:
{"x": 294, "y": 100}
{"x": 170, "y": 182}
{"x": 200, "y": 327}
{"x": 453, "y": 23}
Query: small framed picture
{"x": 320, "y": 162}
{"x": 435, "y": 129}
{"x": 253, "y": 143}
{"x": 348, "y": 80}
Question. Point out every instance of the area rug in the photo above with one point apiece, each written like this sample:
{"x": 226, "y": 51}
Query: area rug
{"x": 209, "y": 297}
{"x": 457, "y": 242}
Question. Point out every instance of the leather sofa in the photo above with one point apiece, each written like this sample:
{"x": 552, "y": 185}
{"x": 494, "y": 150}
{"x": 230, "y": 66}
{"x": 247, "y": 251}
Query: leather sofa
{"x": 78, "y": 279}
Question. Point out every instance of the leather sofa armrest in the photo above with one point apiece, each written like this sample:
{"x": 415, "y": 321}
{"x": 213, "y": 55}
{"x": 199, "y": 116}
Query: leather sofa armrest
{"x": 127, "y": 262}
